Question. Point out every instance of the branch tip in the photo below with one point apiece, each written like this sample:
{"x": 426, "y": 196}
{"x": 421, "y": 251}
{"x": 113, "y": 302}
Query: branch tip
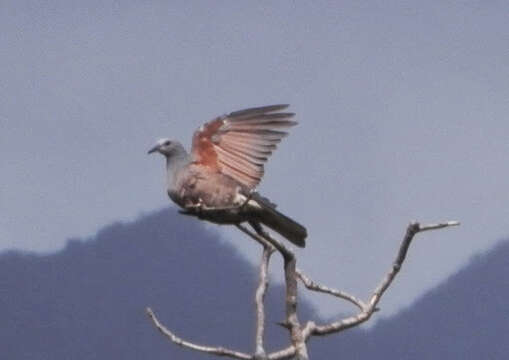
{"x": 438, "y": 226}
{"x": 219, "y": 351}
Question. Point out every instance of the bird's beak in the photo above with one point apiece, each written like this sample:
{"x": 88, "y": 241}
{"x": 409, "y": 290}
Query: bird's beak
{"x": 154, "y": 149}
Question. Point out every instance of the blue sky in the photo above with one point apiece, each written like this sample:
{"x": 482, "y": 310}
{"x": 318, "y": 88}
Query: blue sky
{"x": 403, "y": 110}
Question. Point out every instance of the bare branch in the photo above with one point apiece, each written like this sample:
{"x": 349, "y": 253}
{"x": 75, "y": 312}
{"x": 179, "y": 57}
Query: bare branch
{"x": 220, "y": 351}
{"x": 263, "y": 242}
{"x": 438, "y": 226}
{"x": 311, "y": 285}
{"x": 263, "y": 238}
{"x": 298, "y": 334}
{"x": 298, "y": 340}
{"x": 259, "y": 297}
{"x": 413, "y": 228}
{"x": 287, "y": 353}
{"x": 269, "y": 245}
{"x": 292, "y": 320}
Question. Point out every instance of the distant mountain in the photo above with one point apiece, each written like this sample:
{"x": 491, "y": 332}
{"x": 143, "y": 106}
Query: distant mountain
{"x": 87, "y": 302}
{"x": 466, "y": 317}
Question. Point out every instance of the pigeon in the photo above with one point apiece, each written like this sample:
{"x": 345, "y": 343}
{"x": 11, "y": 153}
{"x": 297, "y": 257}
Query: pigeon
{"x": 216, "y": 181}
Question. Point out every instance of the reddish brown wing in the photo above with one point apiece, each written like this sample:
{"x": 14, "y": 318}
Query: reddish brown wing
{"x": 238, "y": 144}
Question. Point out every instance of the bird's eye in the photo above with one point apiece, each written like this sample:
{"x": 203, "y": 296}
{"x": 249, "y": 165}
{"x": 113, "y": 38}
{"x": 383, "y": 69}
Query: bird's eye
{"x": 167, "y": 142}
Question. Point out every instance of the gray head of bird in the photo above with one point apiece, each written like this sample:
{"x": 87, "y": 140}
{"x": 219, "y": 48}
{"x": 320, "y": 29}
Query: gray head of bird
{"x": 168, "y": 148}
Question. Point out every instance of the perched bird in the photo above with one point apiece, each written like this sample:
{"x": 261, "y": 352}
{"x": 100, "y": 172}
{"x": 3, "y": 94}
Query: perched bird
{"x": 217, "y": 180}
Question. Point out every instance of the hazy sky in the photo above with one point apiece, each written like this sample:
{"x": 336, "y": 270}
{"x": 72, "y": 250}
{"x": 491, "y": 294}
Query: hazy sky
{"x": 403, "y": 110}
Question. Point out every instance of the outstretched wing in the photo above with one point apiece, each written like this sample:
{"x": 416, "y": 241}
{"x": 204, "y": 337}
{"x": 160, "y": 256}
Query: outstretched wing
{"x": 238, "y": 144}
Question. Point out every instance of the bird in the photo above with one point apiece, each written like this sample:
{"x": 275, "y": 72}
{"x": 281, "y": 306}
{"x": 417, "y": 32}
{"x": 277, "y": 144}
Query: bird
{"x": 216, "y": 181}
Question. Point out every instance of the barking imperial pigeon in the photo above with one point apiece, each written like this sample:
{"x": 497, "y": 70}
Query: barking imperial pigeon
{"x": 216, "y": 181}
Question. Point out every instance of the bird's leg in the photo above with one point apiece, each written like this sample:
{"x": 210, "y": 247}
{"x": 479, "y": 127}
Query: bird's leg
{"x": 244, "y": 203}
{"x": 194, "y": 209}
{"x": 199, "y": 208}
{"x": 205, "y": 208}
{"x": 221, "y": 208}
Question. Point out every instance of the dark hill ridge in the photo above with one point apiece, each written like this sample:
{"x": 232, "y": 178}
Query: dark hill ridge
{"x": 466, "y": 317}
{"x": 87, "y": 302}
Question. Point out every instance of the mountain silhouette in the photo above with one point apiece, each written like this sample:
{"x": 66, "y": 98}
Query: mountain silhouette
{"x": 88, "y": 301}
{"x": 466, "y": 317}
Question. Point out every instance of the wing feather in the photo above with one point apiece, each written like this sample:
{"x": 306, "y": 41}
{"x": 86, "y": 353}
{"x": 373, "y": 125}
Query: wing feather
{"x": 257, "y": 111}
{"x": 238, "y": 144}
{"x": 237, "y": 161}
{"x": 254, "y": 157}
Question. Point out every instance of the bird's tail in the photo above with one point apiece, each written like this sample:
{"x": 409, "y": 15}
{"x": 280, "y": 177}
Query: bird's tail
{"x": 282, "y": 224}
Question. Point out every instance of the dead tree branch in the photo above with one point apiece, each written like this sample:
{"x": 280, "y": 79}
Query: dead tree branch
{"x": 299, "y": 335}
{"x": 292, "y": 321}
{"x": 259, "y": 298}
{"x": 367, "y": 310}
{"x": 313, "y": 286}
{"x": 220, "y": 351}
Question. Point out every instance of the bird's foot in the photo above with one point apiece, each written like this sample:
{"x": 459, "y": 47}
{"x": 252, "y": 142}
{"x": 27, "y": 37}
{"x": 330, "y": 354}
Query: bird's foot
{"x": 191, "y": 208}
{"x": 221, "y": 214}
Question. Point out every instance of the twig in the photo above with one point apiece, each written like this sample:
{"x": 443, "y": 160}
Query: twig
{"x": 220, "y": 351}
{"x": 413, "y": 228}
{"x": 311, "y": 285}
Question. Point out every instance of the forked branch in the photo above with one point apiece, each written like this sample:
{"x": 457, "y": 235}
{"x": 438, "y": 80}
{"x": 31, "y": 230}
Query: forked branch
{"x": 299, "y": 335}
{"x": 290, "y": 262}
{"x": 370, "y": 307}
